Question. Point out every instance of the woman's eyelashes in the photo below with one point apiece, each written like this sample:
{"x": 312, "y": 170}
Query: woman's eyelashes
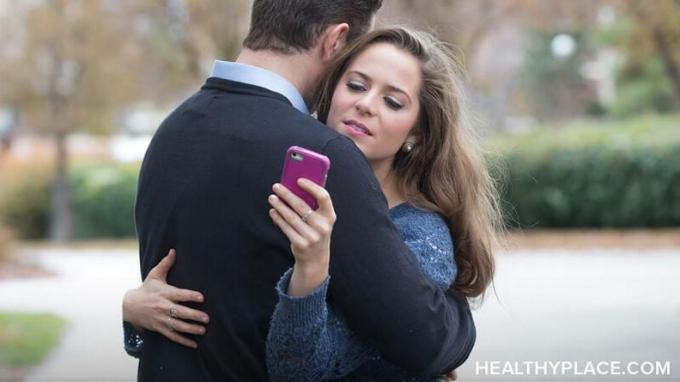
{"x": 391, "y": 102}
{"x": 355, "y": 86}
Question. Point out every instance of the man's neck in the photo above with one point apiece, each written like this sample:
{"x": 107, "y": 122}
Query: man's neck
{"x": 295, "y": 68}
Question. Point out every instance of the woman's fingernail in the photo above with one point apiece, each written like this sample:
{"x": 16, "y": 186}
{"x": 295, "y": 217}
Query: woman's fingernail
{"x": 276, "y": 187}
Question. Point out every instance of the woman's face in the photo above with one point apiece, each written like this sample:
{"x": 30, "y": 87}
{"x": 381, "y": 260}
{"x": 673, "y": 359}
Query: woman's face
{"x": 376, "y": 101}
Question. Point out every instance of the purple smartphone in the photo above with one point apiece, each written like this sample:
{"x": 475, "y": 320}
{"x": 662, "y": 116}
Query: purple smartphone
{"x": 303, "y": 163}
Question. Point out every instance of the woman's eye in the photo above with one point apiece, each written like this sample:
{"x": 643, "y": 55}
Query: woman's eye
{"x": 393, "y": 103}
{"x": 355, "y": 86}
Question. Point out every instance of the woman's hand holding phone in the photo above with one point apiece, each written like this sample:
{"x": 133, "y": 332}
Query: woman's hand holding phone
{"x": 309, "y": 233}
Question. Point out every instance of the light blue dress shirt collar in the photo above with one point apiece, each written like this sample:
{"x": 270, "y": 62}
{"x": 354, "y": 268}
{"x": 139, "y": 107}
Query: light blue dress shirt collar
{"x": 263, "y": 78}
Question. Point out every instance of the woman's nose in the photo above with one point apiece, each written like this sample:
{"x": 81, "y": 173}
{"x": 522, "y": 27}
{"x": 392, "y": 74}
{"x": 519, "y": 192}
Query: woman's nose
{"x": 365, "y": 105}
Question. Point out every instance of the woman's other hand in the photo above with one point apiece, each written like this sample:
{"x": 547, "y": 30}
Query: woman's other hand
{"x": 309, "y": 233}
{"x": 155, "y": 306}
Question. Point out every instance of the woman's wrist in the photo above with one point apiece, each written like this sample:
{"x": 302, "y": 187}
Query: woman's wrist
{"x": 307, "y": 277}
{"x": 128, "y": 310}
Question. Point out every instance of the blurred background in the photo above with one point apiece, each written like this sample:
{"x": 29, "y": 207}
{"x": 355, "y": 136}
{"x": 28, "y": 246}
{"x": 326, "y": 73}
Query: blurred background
{"x": 577, "y": 104}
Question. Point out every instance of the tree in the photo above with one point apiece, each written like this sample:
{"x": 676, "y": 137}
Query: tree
{"x": 656, "y": 32}
{"x": 71, "y": 64}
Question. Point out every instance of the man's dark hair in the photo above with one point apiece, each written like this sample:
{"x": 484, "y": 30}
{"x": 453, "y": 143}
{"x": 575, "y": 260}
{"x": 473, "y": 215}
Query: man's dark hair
{"x": 286, "y": 26}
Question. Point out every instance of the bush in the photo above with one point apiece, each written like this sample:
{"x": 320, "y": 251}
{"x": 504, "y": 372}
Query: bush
{"x": 25, "y": 199}
{"x": 102, "y": 199}
{"x": 624, "y": 175}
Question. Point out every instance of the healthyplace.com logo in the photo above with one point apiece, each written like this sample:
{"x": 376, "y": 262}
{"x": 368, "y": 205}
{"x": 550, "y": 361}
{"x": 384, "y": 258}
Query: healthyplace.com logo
{"x": 572, "y": 368}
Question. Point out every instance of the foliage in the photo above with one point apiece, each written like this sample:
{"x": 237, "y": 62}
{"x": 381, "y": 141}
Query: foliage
{"x": 75, "y": 65}
{"x": 103, "y": 200}
{"x": 25, "y": 339}
{"x": 24, "y": 198}
{"x": 642, "y": 89}
{"x": 648, "y": 78}
{"x": 554, "y": 85}
{"x": 623, "y": 174}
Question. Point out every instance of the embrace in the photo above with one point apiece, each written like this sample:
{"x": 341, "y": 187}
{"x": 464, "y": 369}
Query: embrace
{"x": 243, "y": 281}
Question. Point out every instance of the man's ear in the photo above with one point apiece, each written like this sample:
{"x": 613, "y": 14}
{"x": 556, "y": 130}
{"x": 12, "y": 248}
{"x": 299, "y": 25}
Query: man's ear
{"x": 333, "y": 40}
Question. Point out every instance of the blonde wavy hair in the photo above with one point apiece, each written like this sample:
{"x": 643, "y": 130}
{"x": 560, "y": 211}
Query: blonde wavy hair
{"x": 445, "y": 171}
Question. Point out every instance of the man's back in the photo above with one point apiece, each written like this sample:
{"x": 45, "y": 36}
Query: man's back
{"x": 203, "y": 190}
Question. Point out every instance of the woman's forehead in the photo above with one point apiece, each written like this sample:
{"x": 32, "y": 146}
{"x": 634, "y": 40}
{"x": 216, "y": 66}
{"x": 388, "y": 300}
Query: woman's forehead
{"x": 386, "y": 63}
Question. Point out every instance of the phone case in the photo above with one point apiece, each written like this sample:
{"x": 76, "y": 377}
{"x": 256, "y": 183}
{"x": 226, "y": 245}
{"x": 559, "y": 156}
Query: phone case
{"x": 303, "y": 163}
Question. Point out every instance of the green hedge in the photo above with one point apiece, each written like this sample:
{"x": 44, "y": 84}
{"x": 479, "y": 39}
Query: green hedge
{"x": 102, "y": 200}
{"x": 592, "y": 175}
{"x": 25, "y": 199}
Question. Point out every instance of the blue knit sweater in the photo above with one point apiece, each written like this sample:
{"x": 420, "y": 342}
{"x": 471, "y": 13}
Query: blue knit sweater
{"x": 310, "y": 341}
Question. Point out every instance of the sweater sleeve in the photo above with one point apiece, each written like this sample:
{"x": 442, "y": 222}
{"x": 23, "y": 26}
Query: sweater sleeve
{"x": 308, "y": 340}
{"x": 132, "y": 339}
{"x": 429, "y": 238}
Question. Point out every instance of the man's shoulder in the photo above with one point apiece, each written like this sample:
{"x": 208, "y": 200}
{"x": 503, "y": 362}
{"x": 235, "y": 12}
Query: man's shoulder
{"x": 234, "y": 100}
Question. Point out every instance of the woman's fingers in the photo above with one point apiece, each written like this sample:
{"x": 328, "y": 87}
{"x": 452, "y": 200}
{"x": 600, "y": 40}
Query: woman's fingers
{"x": 293, "y": 219}
{"x": 322, "y": 197}
{"x": 297, "y": 204}
{"x": 175, "y": 294}
{"x": 187, "y": 313}
{"x": 176, "y": 337}
{"x": 160, "y": 271}
{"x": 293, "y": 236}
{"x": 185, "y": 327}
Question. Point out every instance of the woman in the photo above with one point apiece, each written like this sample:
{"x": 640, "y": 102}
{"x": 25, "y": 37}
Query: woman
{"x": 395, "y": 93}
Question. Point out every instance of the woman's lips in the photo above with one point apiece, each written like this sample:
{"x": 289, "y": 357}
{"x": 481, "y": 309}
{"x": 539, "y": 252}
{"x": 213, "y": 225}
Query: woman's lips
{"x": 357, "y": 129}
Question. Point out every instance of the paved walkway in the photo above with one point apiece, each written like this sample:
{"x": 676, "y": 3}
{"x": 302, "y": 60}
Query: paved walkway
{"x": 554, "y": 306}
{"x": 87, "y": 292}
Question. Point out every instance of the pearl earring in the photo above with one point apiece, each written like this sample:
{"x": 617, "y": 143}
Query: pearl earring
{"x": 407, "y": 147}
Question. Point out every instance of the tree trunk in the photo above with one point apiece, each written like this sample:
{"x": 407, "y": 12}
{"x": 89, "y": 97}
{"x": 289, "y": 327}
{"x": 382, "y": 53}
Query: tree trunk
{"x": 672, "y": 67}
{"x": 61, "y": 217}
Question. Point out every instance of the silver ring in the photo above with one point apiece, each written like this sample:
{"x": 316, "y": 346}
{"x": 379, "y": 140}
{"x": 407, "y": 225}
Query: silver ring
{"x": 173, "y": 312}
{"x": 306, "y": 215}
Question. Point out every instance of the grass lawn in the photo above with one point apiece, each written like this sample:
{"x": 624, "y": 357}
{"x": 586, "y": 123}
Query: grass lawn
{"x": 25, "y": 339}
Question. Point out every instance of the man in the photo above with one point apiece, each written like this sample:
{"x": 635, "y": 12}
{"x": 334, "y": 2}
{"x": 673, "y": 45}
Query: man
{"x": 203, "y": 190}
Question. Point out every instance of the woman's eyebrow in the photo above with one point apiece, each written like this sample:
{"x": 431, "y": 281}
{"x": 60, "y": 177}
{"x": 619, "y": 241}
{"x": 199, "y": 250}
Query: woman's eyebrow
{"x": 365, "y": 77}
